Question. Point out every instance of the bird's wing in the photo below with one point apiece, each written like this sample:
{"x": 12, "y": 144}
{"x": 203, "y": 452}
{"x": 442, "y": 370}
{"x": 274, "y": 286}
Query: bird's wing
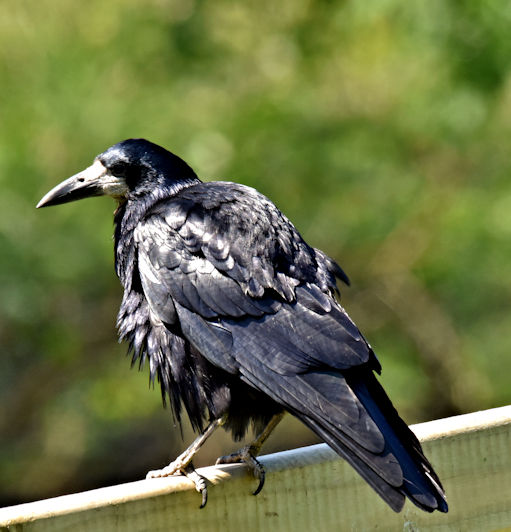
{"x": 223, "y": 253}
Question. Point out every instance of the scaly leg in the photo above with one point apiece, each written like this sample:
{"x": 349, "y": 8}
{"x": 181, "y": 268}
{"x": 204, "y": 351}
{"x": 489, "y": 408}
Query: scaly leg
{"x": 248, "y": 453}
{"x": 183, "y": 463}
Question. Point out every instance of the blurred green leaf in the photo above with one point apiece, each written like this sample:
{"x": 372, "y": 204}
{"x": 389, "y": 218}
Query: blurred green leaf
{"x": 381, "y": 131}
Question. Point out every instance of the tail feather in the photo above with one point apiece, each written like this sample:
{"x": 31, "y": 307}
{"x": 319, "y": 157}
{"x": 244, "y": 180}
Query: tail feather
{"x": 392, "y": 496}
{"x": 419, "y": 482}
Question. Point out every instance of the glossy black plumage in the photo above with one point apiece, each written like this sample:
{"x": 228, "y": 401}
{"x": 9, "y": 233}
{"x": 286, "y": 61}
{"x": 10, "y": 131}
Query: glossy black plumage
{"x": 237, "y": 315}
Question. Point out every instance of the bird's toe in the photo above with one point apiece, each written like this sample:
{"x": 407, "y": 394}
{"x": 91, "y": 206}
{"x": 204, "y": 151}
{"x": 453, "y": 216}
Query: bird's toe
{"x": 187, "y": 470}
{"x": 172, "y": 469}
{"x": 199, "y": 481}
{"x": 246, "y": 456}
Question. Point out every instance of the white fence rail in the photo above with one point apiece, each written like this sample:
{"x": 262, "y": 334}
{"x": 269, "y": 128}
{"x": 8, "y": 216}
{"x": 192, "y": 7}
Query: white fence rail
{"x": 308, "y": 489}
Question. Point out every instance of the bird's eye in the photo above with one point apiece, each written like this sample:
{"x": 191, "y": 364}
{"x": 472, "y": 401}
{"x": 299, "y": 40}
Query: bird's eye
{"x": 118, "y": 169}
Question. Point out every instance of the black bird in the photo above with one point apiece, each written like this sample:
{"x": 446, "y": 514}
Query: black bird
{"x": 236, "y": 315}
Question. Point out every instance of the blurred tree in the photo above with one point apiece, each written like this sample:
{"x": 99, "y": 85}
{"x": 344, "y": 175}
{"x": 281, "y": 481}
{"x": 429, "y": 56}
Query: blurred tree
{"x": 380, "y": 131}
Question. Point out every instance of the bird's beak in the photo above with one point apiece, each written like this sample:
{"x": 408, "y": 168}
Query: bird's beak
{"x": 90, "y": 182}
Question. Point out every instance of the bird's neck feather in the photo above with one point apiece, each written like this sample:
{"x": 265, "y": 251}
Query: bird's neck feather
{"x": 128, "y": 215}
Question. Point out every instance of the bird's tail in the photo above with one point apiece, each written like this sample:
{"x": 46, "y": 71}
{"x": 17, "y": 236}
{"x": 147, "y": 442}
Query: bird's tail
{"x": 399, "y": 469}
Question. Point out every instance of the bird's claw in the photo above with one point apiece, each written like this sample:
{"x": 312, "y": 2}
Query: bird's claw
{"x": 247, "y": 457}
{"x": 175, "y": 468}
{"x": 199, "y": 481}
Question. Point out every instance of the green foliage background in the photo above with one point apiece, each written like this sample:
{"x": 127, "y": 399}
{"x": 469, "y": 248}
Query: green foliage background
{"x": 381, "y": 129}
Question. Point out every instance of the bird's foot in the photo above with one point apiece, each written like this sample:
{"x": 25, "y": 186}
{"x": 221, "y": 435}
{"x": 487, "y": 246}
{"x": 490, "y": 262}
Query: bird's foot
{"x": 178, "y": 467}
{"x": 246, "y": 455}
{"x": 182, "y": 465}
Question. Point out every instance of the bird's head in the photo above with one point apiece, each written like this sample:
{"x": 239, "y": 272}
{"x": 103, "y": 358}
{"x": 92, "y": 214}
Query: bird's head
{"x": 133, "y": 167}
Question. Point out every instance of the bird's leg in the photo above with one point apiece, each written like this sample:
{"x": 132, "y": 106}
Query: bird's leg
{"x": 183, "y": 463}
{"x": 248, "y": 453}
